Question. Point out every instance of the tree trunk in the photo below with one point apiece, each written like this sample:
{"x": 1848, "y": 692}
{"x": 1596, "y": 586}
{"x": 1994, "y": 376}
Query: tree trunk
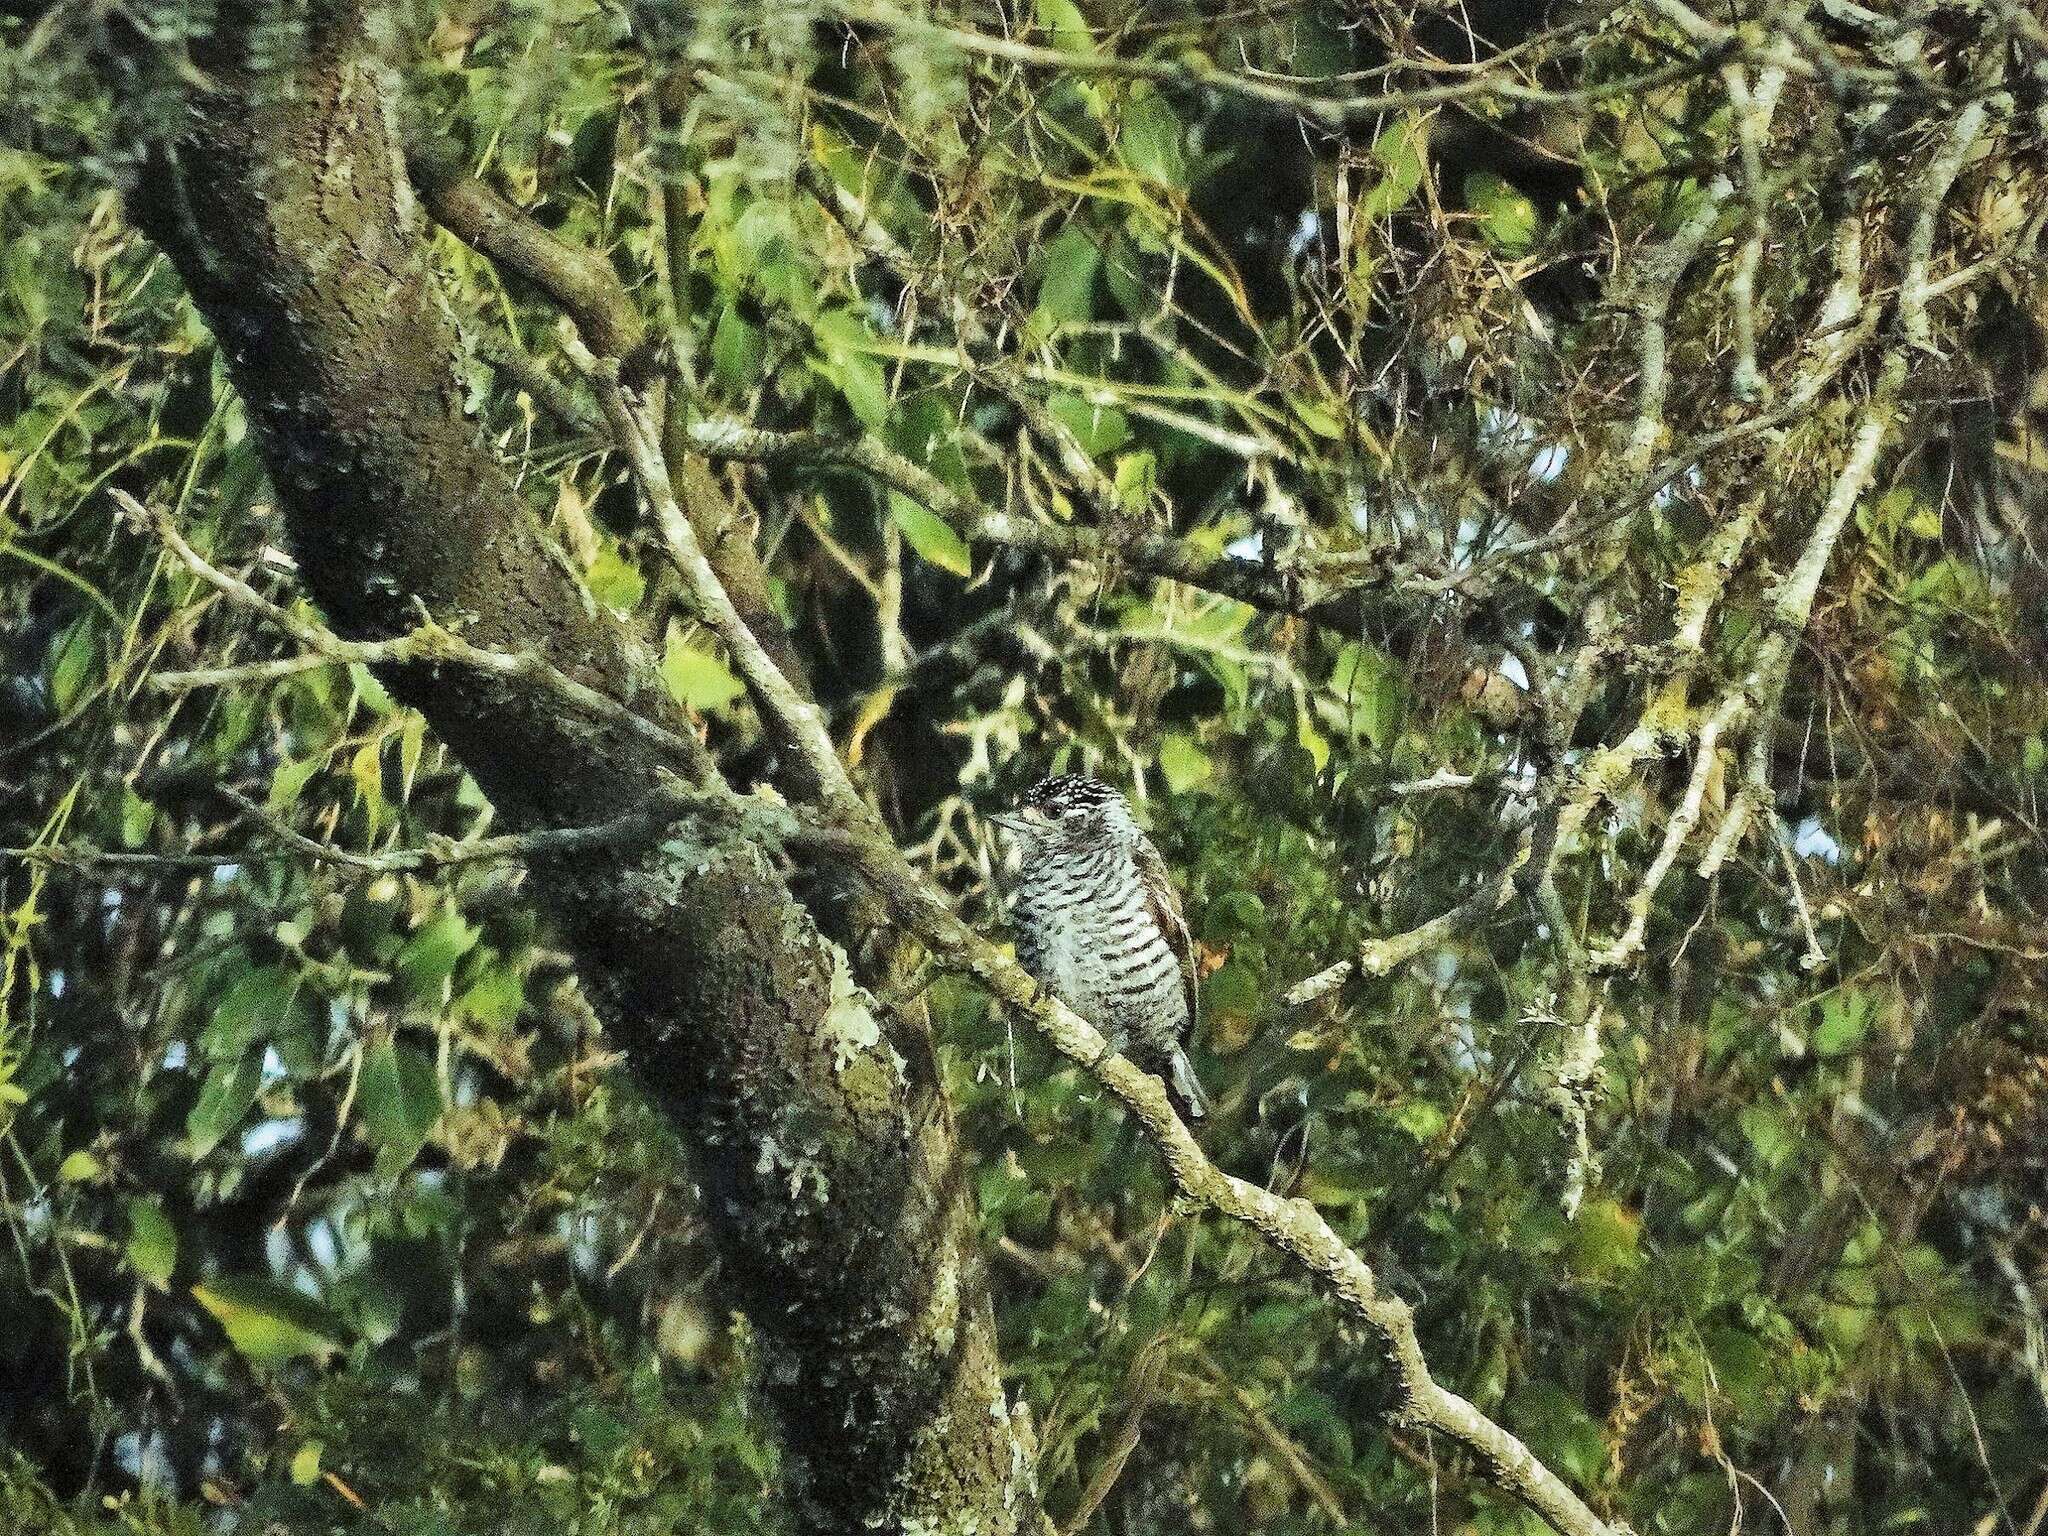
{"x": 815, "y": 1122}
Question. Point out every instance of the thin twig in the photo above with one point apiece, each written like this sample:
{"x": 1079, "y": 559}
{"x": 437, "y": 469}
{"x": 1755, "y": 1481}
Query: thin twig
{"x": 1294, "y": 1227}
{"x": 431, "y": 642}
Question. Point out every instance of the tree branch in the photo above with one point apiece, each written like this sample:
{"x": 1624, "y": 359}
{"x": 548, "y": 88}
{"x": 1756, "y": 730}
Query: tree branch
{"x": 582, "y": 281}
{"x": 431, "y": 642}
{"x": 1193, "y": 71}
{"x": 1293, "y": 1227}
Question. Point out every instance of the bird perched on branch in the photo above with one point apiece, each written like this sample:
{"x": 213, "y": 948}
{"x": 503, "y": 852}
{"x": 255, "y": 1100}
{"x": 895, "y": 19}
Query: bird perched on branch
{"x": 1098, "y": 923}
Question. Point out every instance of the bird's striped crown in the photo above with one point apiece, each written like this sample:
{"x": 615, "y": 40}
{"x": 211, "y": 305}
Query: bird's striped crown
{"x": 1071, "y": 811}
{"x": 1067, "y": 794}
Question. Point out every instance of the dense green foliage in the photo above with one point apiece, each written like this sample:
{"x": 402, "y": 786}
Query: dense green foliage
{"x": 325, "y": 1203}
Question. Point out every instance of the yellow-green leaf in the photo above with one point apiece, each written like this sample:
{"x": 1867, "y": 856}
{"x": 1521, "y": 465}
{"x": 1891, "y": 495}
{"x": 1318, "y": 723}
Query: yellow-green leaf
{"x": 366, "y": 767}
{"x": 1183, "y": 762}
{"x": 152, "y": 1242}
{"x": 615, "y": 581}
{"x": 412, "y": 741}
{"x": 79, "y": 1167}
{"x": 267, "y": 1320}
{"x": 929, "y": 535}
{"x": 305, "y": 1469}
{"x": 696, "y": 677}
{"x": 1311, "y": 740}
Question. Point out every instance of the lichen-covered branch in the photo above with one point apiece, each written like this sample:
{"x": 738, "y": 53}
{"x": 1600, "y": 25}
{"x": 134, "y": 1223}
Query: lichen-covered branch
{"x": 1292, "y": 1226}
{"x": 814, "y": 1120}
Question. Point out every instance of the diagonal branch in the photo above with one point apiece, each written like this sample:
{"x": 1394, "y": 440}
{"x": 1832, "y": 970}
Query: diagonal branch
{"x": 1292, "y": 1226}
{"x": 582, "y": 281}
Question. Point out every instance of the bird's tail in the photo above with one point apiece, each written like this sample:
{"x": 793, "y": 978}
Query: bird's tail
{"x": 1184, "y": 1088}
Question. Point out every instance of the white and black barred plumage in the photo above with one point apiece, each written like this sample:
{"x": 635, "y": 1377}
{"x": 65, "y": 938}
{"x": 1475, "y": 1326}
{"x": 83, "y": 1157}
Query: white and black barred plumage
{"x": 1098, "y": 923}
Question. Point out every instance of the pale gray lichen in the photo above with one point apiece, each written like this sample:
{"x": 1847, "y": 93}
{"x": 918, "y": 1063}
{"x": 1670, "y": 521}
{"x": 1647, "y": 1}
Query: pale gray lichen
{"x": 849, "y": 1025}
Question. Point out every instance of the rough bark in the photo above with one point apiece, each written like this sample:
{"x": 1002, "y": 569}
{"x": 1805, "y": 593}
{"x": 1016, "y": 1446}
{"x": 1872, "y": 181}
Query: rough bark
{"x": 815, "y": 1122}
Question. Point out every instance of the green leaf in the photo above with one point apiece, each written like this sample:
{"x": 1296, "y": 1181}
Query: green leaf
{"x": 926, "y": 431}
{"x": 764, "y": 232}
{"x": 230, "y": 1088}
{"x": 268, "y": 1321}
{"x": 1068, "y": 27}
{"x": 1100, "y": 428}
{"x": 1183, "y": 762}
{"x": 1066, "y": 282}
{"x": 79, "y": 1167}
{"x": 429, "y": 956}
{"x": 1844, "y": 1020}
{"x": 78, "y": 656}
{"x": 495, "y": 999}
{"x": 737, "y": 352}
{"x": 1398, "y": 153}
{"x": 695, "y": 677}
{"x": 1764, "y": 1127}
{"x": 843, "y": 336}
{"x": 137, "y": 817}
{"x": 1741, "y": 1363}
{"x": 289, "y": 780}
{"x": 400, "y": 1097}
{"x": 1561, "y": 1430}
{"x": 376, "y": 698}
{"x": 928, "y": 534}
{"x": 1507, "y": 219}
{"x": 152, "y": 1242}
{"x": 261, "y": 1003}
{"x": 1223, "y": 619}
{"x": 1365, "y": 684}
{"x": 1149, "y": 139}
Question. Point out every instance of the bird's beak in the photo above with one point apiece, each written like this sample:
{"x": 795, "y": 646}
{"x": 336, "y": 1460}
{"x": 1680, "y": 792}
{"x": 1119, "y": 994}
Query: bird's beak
{"x": 1011, "y": 821}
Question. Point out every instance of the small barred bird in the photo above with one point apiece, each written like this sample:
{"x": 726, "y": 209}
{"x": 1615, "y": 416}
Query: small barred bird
{"x": 1098, "y": 923}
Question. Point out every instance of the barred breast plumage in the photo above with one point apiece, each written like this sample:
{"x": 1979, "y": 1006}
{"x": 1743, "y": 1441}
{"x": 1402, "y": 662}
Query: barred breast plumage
{"x": 1098, "y": 923}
